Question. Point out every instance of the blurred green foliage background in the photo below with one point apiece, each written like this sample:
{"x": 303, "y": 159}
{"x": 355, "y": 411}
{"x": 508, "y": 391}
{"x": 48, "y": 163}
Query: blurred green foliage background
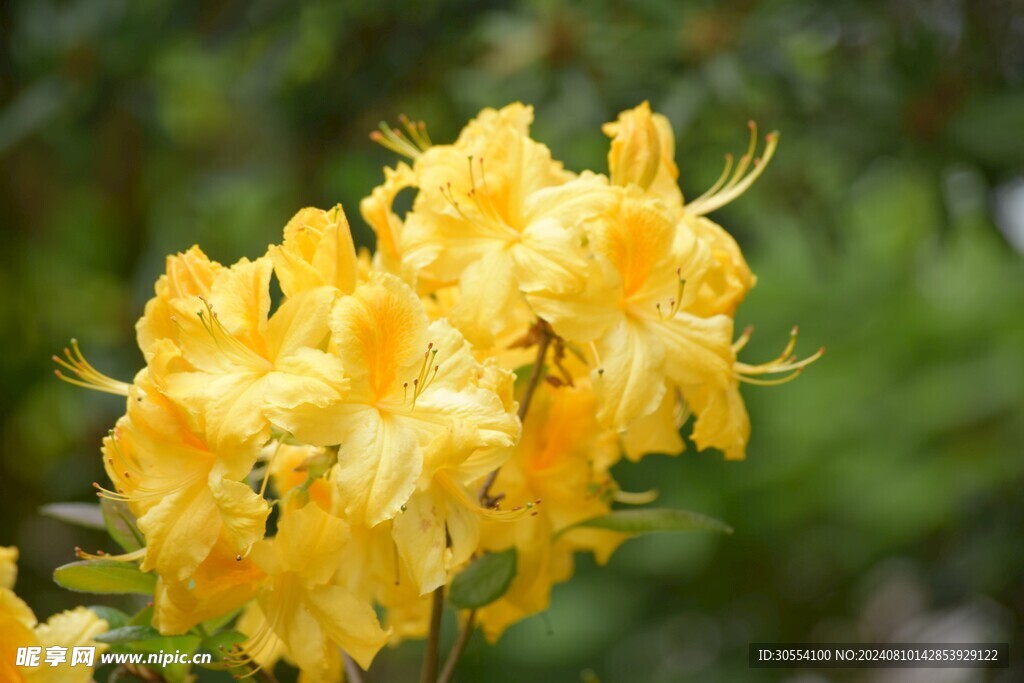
{"x": 882, "y": 496}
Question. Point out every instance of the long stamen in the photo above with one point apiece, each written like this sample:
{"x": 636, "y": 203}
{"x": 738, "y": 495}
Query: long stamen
{"x": 416, "y": 131}
{"x": 101, "y": 555}
{"x": 411, "y": 146}
{"x": 225, "y": 340}
{"x": 129, "y": 465}
{"x": 718, "y": 183}
{"x": 784, "y": 362}
{"x": 676, "y": 302}
{"x": 87, "y": 376}
{"x": 771, "y": 382}
{"x": 743, "y": 339}
{"x": 486, "y": 205}
{"x": 425, "y": 377}
{"x": 719, "y": 195}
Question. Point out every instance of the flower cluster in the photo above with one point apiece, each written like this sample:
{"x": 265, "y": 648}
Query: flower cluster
{"x": 464, "y": 390}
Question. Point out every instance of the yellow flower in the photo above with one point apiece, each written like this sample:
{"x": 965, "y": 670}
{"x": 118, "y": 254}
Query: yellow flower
{"x": 290, "y": 466}
{"x": 729, "y": 280}
{"x": 317, "y": 251}
{"x": 722, "y": 420}
{"x": 68, "y": 629}
{"x": 240, "y": 361}
{"x": 635, "y": 312}
{"x": 187, "y": 275}
{"x": 497, "y": 215}
{"x": 642, "y": 153}
{"x": 439, "y": 526}
{"x": 19, "y": 628}
{"x": 372, "y": 568}
{"x": 303, "y": 605}
{"x": 410, "y": 381}
{"x": 378, "y": 212}
{"x": 185, "y": 493}
{"x": 224, "y": 581}
{"x": 559, "y": 463}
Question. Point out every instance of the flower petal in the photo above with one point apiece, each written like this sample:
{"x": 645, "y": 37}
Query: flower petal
{"x": 379, "y": 462}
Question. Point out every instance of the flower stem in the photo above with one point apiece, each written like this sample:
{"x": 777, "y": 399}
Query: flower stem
{"x": 545, "y": 336}
{"x": 432, "y": 655}
{"x": 456, "y": 652}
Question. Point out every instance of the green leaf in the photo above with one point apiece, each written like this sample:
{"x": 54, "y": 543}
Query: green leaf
{"x": 120, "y": 524}
{"x": 115, "y": 618}
{"x": 650, "y": 520}
{"x": 87, "y": 515}
{"x": 104, "y": 576}
{"x": 128, "y": 634}
{"x": 144, "y": 617}
{"x": 484, "y": 581}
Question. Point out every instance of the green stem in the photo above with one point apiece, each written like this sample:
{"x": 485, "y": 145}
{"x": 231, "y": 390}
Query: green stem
{"x": 546, "y": 335}
{"x": 432, "y": 654}
{"x": 460, "y": 646}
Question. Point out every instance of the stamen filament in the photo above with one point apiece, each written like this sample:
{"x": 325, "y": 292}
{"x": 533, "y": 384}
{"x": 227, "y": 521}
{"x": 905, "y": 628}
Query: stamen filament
{"x": 87, "y": 376}
{"x": 718, "y": 195}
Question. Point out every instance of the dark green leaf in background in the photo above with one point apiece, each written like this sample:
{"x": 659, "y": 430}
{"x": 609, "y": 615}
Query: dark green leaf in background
{"x": 485, "y": 580}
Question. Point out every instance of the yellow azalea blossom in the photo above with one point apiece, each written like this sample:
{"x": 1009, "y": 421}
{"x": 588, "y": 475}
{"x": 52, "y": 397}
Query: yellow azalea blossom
{"x": 189, "y": 274}
{"x": 19, "y": 628}
{"x": 558, "y": 464}
{"x": 240, "y": 361}
{"x": 727, "y": 283}
{"x": 68, "y": 629}
{"x": 642, "y": 153}
{"x": 373, "y": 568}
{"x": 439, "y": 526}
{"x": 635, "y": 314}
{"x": 722, "y": 420}
{"x": 253, "y": 620}
{"x": 303, "y": 606}
{"x": 265, "y": 655}
{"x": 290, "y": 466}
{"x": 495, "y": 214}
{"x": 222, "y": 582}
{"x": 16, "y": 630}
{"x": 184, "y": 493}
{"x": 317, "y": 251}
{"x": 378, "y": 212}
{"x": 510, "y": 348}
{"x": 410, "y": 380}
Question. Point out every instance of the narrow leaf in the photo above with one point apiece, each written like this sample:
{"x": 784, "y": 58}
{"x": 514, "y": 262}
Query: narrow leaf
{"x": 120, "y": 524}
{"x": 651, "y": 520}
{"x": 104, "y": 576}
{"x": 484, "y": 581}
{"x": 87, "y": 515}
